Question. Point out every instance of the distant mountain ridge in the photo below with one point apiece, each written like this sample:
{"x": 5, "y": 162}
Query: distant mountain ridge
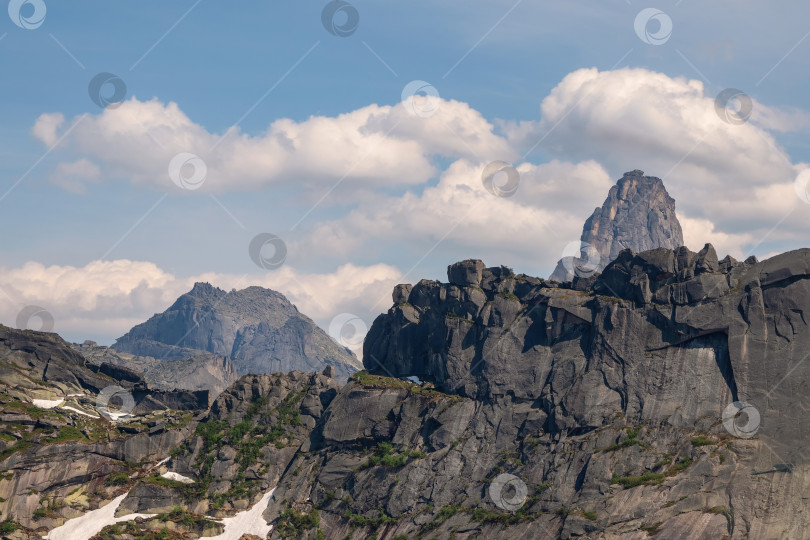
{"x": 638, "y": 214}
{"x": 257, "y": 328}
{"x": 202, "y": 371}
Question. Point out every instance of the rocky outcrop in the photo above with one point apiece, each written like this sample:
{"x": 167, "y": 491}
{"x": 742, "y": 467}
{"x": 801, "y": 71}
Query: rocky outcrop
{"x": 59, "y": 457}
{"x": 242, "y": 447}
{"x": 625, "y": 403}
{"x": 638, "y": 214}
{"x": 664, "y": 397}
{"x": 39, "y": 365}
{"x": 258, "y": 329}
{"x": 202, "y": 371}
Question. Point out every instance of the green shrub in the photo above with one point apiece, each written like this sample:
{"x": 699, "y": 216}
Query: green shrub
{"x": 291, "y": 524}
{"x": 8, "y": 526}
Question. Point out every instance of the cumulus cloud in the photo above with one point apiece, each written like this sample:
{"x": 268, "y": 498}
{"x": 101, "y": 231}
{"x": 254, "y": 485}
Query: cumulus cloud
{"x": 104, "y": 299}
{"x": 734, "y": 177}
{"x": 528, "y": 229}
{"x": 375, "y": 145}
{"x": 46, "y": 126}
{"x": 733, "y": 183}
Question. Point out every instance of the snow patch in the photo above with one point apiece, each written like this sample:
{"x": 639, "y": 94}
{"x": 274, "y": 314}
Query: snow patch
{"x": 47, "y": 403}
{"x": 177, "y": 477}
{"x": 247, "y": 522}
{"x": 414, "y": 379}
{"x": 68, "y": 407}
{"x": 91, "y": 523}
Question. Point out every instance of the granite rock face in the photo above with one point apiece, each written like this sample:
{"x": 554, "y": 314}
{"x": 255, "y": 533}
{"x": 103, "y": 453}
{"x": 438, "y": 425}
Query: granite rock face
{"x": 638, "y": 214}
{"x": 665, "y": 397}
{"x": 57, "y": 453}
{"x": 258, "y": 329}
{"x": 242, "y": 446}
{"x": 665, "y": 394}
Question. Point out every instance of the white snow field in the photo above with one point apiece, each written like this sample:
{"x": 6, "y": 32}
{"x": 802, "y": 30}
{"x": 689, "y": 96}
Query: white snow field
{"x": 91, "y": 523}
{"x": 47, "y": 403}
{"x": 84, "y": 527}
{"x": 247, "y": 522}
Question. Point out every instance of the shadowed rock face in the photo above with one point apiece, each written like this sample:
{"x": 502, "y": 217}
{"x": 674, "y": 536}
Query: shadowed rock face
{"x": 642, "y": 360}
{"x": 258, "y": 329}
{"x": 638, "y": 214}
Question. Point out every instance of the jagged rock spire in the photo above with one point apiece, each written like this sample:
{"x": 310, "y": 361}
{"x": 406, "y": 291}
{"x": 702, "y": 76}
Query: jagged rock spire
{"x": 638, "y": 214}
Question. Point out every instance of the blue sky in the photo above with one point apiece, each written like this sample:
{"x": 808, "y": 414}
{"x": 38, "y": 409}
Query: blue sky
{"x": 493, "y": 64}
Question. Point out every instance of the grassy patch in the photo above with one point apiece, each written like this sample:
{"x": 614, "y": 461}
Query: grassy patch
{"x": 65, "y": 434}
{"x": 117, "y": 479}
{"x": 681, "y": 465}
{"x": 166, "y": 482}
{"x": 384, "y": 455}
{"x": 646, "y": 479}
{"x": 652, "y": 530}
{"x": 702, "y": 441}
{"x": 19, "y": 446}
{"x": 631, "y": 440}
{"x": 362, "y": 521}
{"x": 445, "y": 513}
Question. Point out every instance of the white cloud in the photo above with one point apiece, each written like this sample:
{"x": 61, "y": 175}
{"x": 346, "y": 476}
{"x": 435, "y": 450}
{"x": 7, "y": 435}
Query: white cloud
{"x": 734, "y": 180}
{"x": 375, "y": 145}
{"x": 104, "y": 299}
{"x": 73, "y": 176}
{"x": 698, "y": 232}
{"x": 46, "y": 126}
{"x": 528, "y": 229}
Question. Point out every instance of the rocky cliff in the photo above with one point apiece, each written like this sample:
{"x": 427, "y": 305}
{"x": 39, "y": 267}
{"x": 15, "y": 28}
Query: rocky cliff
{"x": 638, "y": 214}
{"x": 60, "y": 453}
{"x": 258, "y": 329}
{"x": 663, "y": 398}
